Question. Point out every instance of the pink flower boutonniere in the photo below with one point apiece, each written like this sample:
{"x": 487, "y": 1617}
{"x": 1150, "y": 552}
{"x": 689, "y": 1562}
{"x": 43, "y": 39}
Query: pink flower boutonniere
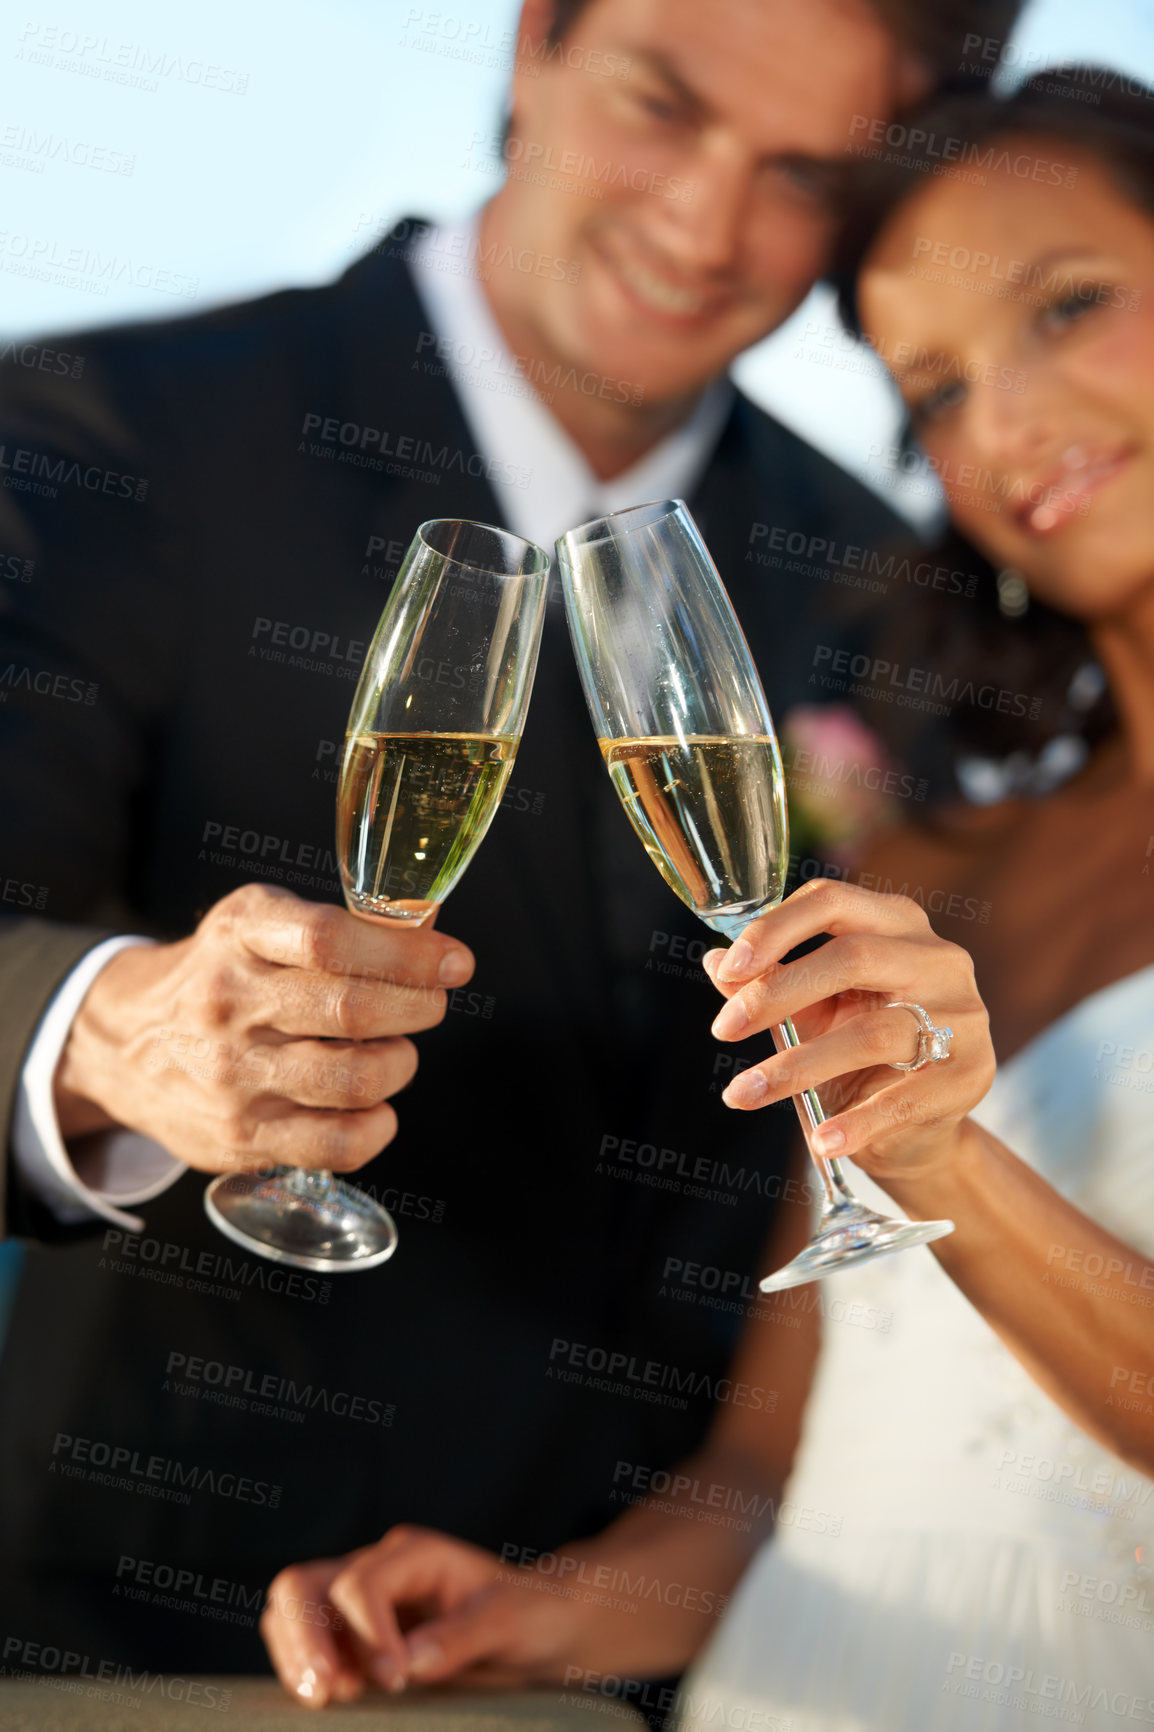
{"x": 844, "y": 789}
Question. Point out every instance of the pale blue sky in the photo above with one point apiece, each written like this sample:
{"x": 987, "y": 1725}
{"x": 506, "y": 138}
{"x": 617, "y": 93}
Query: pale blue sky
{"x": 264, "y": 140}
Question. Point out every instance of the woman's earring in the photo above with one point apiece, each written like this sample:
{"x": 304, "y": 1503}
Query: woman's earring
{"x": 1013, "y": 596}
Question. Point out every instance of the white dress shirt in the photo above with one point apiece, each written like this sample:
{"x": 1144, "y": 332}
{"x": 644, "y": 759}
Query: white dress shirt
{"x": 510, "y": 423}
{"x": 121, "y": 1166}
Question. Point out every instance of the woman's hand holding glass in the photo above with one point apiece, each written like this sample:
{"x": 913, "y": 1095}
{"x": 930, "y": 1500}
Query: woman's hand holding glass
{"x": 689, "y": 742}
{"x": 895, "y": 1125}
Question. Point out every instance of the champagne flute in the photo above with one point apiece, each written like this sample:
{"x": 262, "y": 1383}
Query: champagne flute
{"x": 688, "y": 741}
{"x": 432, "y": 735}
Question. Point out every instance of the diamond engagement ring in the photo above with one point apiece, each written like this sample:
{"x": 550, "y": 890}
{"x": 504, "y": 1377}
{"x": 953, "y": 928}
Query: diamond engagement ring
{"x": 933, "y": 1043}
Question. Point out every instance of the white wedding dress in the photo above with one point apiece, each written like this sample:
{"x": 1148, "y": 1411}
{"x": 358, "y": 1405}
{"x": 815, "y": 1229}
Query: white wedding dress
{"x": 952, "y": 1553}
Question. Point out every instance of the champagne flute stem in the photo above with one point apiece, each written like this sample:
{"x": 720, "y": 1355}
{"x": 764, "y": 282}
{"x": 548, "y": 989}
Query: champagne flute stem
{"x": 311, "y": 1183}
{"x": 811, "y": 1114}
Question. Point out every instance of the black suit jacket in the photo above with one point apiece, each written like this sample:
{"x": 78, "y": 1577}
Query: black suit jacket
{"x": 208, "y": 535}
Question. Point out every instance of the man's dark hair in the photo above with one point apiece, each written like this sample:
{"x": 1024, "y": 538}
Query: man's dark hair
{"x": 960, "y": 41}
{"x": 1090, "y": 109}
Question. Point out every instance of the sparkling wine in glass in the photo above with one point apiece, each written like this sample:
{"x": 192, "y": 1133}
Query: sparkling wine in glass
{"x": 688, "y": 741}
{"x": 432, "y": 735}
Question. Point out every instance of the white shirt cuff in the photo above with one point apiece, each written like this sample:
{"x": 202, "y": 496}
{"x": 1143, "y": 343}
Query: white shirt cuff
{"x": 130, "y": 1168}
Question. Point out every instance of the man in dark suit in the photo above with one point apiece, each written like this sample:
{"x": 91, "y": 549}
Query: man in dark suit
{"x": 208, "y": 520}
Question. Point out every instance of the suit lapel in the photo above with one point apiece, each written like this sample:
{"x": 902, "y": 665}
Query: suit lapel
{"x": 402, "y": 403}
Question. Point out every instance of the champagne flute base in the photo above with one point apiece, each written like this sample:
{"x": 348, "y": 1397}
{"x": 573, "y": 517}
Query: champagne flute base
{"x": 850, "y": 1234}
{"x": 333, "y": 1229}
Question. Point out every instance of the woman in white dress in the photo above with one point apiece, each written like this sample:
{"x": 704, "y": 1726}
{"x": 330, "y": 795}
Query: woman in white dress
{"x": 987, "y": 1458}
{"x": 966, "y": 1538}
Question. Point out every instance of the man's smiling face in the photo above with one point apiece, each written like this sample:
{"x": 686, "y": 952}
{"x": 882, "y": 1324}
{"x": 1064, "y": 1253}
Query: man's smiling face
{"x": 693, "y": 193}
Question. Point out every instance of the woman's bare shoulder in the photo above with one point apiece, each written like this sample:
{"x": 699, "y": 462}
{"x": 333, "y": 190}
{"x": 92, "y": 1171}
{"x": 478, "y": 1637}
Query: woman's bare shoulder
{"x": 947, "y": 844}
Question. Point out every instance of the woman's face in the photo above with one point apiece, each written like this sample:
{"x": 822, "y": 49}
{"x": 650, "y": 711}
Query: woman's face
{"x": 1017, "y": 317}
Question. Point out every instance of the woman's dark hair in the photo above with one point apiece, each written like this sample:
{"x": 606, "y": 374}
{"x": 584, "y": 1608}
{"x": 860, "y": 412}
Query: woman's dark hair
{"x": 1089, "y": 108}
{"x": 1043, "y": 656}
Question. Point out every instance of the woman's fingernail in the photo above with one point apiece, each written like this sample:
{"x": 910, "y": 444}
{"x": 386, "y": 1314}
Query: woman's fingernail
{"x": 746, "y": 1090}
{"x": 424, "y": 1656}
{"x": 730, "y": 1020}
{"x": 828, "y": 1139}
{"x": 736, "y": 961}
{"x": 312, "y": 1685}
{"x": 388, "y": 1674}
{"x": 711, "y": 961}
